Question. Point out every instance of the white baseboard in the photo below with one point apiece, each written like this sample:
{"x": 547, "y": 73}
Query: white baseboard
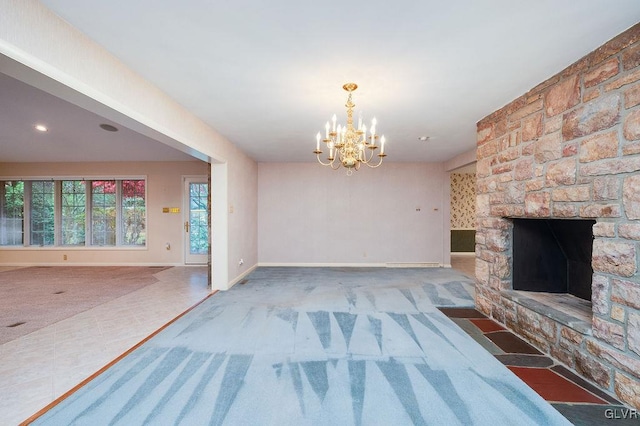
{"x": 354, "y": 265}
{"x": 28, "y": 264}
{"x": 463, "y": 253}
{"x": 240, "y": 277}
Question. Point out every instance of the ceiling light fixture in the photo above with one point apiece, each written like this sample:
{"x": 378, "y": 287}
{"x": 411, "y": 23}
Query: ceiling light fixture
{"x": 423, "y": 138}
{"x": 352, "y": 147}
{"x": 41, "y": 127}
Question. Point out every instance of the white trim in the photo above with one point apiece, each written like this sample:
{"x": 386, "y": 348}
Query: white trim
{"x": 66, "y": 263}
{"x": 239, "y": 278}
{"x": 75, "y": 177}
{"x": 74, "y": 248}
{"x": 355, "y": 265}
{"x": 463, "y": 253}
{"x": 463, "y": 229}
{"x": 413, "y": 264}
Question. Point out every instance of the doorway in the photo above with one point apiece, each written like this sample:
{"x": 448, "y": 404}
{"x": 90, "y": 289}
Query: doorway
{"x": 196, "y": 220}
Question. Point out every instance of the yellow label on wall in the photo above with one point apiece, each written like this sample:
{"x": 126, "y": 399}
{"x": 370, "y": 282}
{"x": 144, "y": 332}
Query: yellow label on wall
{"x": 171, "y": 210}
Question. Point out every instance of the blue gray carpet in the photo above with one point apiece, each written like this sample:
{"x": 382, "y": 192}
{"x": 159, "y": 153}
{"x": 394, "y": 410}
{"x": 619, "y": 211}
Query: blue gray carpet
{"x": 314, "y": 346}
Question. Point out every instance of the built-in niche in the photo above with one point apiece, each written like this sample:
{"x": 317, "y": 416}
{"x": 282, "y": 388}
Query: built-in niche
{"x": 553, "y": 256}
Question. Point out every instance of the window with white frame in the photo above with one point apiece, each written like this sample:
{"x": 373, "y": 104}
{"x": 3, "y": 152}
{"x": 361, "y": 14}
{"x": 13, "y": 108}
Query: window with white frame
{"x": 73, "y": 212}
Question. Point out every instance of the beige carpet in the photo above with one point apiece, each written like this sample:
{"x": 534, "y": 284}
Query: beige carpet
{"x": 35, "y": 297}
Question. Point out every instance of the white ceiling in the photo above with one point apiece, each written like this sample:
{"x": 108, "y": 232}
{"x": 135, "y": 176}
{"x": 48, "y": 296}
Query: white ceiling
{"x": 268, "y": 74}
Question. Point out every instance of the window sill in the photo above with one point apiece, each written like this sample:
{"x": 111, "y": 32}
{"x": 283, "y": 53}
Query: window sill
{"x": 73, "y": 248}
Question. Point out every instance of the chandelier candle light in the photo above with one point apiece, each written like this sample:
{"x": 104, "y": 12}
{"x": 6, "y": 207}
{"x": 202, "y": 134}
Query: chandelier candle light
{"x": 350, "y": 146}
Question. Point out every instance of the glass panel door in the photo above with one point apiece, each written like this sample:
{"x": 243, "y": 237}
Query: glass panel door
{"x": 196, "y": 225}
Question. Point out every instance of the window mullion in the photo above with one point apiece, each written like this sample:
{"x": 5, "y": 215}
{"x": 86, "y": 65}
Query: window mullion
{"x": 118, "y": 212}
{"x": 27, "y": 213}
{"x": 57, "y": 213}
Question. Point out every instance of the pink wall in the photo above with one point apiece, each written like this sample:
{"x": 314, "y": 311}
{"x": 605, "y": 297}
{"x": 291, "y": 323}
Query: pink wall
{"x": 308, "y": 214}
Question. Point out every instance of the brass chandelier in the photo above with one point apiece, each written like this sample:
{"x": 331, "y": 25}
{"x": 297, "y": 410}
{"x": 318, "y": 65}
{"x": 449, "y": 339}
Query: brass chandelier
{"x": 351, "y": 147}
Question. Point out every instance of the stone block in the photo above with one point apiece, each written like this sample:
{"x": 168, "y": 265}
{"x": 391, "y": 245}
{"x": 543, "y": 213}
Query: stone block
{"x": 604, "y": 229}
{"x": 600, "y": 210}
{"x": 487, "y": 149}
{"x": 572, "y": 336}
{"x": 632, "y": 96}
{"x": 631, "y": 128}
{"x": 485, "y": 133}
{"x": 508, "y": 155}
{"x": 502, "y": 267}
{"x": 633, "y": 333}
{"x": 618, "y": 313}
{"x": 564, "y": 210}
{"x": 600, "y": 295}
{"x": 561, "y": 173}
{"x": 534, "y": 185}
{"x": 623, "y": 81}
{"x": 548, "y": 147}
{"x": 592, "y": 369}
{"x": 590, "y": 94}
{"x": 564, "y": 355}
{"x": 482, "y": 271}
{"x": 523, "y": 169}
{"x": 630, "y": 231}
{"x": 497, "y": 240}
{"x": 597, "y": 115}
{"x": 537, "y": 204}
{"x": 627, "y": 389}
{"x": 553, "y": 124}
{"x": 626, "y": 293}
{"x": 606, "y": 188}
{"x": 483, "y": 168}
{"x": 614, "y": 357}
{"x": 614, "y": 258}
{"x": 483, "y": 305}
{"x": 570, "y": 149}
{"x": 611, "y": 166}
{"x": 535, "y": 324}
{"x": 631, "y": 196}
{"x": 562, "y": 96}
{"x": 599, "y": 146}
{"x": 503, "y": 168}
{"x": 572, "y": 193}
{"x": 526, "y": 110}
{"x": 604, "y": 72}
{"x": 631, "y": 57}
{"x": 482, "y": 205}
{"x": 631, "y": 148}
{"x": 609, "y": 332}
{"x": 532, "y": 128}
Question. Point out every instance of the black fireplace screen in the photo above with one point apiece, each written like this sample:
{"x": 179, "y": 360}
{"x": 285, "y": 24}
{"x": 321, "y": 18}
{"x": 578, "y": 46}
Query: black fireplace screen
{"x": 553, "y": 255}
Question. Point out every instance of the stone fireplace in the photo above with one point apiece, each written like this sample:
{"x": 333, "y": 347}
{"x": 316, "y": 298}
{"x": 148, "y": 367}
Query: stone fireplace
{"x": 558, "y": 216}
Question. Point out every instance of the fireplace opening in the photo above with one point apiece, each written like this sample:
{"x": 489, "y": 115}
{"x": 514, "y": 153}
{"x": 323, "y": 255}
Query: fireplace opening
{"x": 553, "y": 256}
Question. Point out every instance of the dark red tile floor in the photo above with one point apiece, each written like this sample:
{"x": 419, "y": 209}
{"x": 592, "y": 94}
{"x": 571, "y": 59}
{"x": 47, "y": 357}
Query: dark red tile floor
{"x": 579, "y": 401}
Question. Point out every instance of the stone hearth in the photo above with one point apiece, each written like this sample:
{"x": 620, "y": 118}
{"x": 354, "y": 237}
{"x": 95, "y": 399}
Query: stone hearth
{"x": 570, "y": 149}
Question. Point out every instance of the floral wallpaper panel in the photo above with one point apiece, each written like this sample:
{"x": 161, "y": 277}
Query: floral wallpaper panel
{"x": 463, "y": 201}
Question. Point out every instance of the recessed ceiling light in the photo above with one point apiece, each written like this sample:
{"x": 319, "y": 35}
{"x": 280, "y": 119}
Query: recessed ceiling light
{"x": 108, "y": 127}
{"x": 41, "y": 127}
{"x": 423, "y": 138}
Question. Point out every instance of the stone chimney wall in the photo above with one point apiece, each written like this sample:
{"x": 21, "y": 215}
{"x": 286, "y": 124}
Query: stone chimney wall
{"x": 570, "y": 149}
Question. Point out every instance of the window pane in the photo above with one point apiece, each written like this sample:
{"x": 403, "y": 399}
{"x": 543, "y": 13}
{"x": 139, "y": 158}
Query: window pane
{"x": 12, "y": 213}
{"x": 198, "y": 218}
{"x": 103, "y": 212}
{"x": 133, "y": 212}
{"x": 42, "y": 208}
{"x": 73, "y": 212}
